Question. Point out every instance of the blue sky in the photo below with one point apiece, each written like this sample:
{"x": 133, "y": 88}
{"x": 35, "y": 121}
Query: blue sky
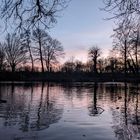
{"x": 81, "y": 26}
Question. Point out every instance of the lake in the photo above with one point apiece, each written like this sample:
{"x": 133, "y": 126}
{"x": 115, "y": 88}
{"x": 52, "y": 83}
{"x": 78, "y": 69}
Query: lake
{"x": 69, "y": 111}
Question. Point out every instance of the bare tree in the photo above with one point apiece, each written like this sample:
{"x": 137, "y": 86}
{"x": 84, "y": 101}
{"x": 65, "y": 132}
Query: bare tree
{"x": 26, "y": 40}
{"x": 40, "y": 37}
{"x": 69, "y": 65}
{"x": 29, "y": 13}
{"x": 122, "y": 8}
{"x": 127, "y": 13}
{"x": 113, "y": 60}
{"x": 122, "y": 41}
{"x": 94, "y": 53}
{"x": 102, "y": 63}
{"x": 15, "y": 53}
{"x": 79, "y": 66}
{"x": 2, "y": 57}
{"x": 135, "y": 47}
{"x": 53, "y": 50}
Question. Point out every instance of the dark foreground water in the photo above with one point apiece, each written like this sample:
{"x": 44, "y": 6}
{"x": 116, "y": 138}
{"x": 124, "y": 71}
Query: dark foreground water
{"x": 88, "y": 111}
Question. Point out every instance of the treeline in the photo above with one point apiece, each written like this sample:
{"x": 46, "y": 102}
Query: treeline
{"x": 29, "y": 51}
{"x": 113, "y": 63}
{"x": 127, "y": 32}
{"x": 34, "y": 50}
{"x": 37, "y": 51}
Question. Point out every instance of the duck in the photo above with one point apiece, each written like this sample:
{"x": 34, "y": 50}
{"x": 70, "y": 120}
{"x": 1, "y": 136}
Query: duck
{"x": 3, "y": 101}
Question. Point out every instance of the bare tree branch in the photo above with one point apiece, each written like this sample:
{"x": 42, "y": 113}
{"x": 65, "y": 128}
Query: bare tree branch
{"x": 30, "y": 13}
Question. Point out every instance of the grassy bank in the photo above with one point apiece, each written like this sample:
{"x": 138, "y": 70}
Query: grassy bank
{"x": 68, "y": 77}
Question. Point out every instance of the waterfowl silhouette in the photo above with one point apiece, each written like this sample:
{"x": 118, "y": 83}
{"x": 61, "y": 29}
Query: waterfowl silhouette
{"x": 3, "y": 101}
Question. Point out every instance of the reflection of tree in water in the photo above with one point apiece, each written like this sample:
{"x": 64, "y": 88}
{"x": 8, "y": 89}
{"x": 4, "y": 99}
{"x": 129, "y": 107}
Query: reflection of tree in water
{"x": 112, "y": 89}
{"x": 74, "y": 90}
{"x": 47, "y": 112}
{"x": 126, "y": 119}
{"x": 137, "y": 111}
{"x": 95, "y": 110}
{"x": 1, "y": 98}
{"x": 26, "y": 115}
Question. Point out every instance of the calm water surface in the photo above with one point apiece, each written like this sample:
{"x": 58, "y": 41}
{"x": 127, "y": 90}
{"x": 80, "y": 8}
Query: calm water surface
{"x": 87, "y": 111}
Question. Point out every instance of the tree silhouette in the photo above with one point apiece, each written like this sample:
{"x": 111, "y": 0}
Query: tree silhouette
{"x": 30, "y": 13}
{"x": 15, "y": 52}
{"x": 135, "y": 46}
{"x": 94, "y": 53}
{"x": 26, "y": 41}
{"x": 121, "y": 41}
{"x": 40, "y": 37}
{"x": 53, "y": 50}
{"x": 127, "y": 15}
{"x": 2, "y": 57}
{"x": 122, "y": 8}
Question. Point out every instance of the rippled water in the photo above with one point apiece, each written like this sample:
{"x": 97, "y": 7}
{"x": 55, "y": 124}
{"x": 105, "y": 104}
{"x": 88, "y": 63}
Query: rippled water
{"x": 87, "y": 111}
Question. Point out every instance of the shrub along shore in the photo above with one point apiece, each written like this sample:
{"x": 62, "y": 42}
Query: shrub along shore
{"x": 68, "y": 77}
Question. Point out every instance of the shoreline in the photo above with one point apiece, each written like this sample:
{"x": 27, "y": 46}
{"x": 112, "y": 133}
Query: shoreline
{"x": 67, "y": 77}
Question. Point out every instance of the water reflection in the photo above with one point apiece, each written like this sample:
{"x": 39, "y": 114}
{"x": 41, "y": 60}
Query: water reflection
{"x": 47, "y": 113}
{"x": 126, "y": 119}
{"x": 29, "y": 108}
{"x": 70, "y": 111}
{"x": 93, "y": 108}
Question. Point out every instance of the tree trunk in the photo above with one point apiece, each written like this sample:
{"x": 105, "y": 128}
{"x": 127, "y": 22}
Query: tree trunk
{"x": 95, "y": 65}
{"x": 48, "y": 66}
{"x": 48, "y": 62}
{"x": 31, "y": 57}
{"x": 136, "y": 53}
{"x": 125, "y": 57}
{"x": 41, "y": 57}
{"x": 13, "y": 67}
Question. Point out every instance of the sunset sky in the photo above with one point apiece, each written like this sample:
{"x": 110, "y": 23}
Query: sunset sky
{"x": 81, "y": 26}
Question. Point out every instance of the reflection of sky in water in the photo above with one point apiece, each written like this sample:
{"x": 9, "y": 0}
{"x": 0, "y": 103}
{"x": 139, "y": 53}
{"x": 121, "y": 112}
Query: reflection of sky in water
{"x": 69, "y": 111}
